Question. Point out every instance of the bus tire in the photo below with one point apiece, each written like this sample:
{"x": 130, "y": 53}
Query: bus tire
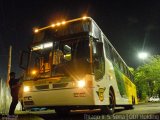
{"x": 62, "y": 111}
{"x": 109, "y": 109}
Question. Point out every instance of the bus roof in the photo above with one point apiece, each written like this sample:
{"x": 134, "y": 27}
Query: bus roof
{"x": 61, "y": 23}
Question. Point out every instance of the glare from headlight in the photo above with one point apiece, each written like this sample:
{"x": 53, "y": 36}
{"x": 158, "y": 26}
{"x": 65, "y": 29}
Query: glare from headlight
{"x": 81, "y": 83}
{"x": 33, "y": 72}
{"x": 26, "y": 88}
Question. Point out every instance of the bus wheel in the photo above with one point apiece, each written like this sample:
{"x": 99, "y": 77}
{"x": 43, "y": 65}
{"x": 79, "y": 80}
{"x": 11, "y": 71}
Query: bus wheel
{"x": 111, "y": 107}
{"x": 62, "y": 111}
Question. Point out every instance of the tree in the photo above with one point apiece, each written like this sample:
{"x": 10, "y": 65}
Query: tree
{"x": 147, "y": 77}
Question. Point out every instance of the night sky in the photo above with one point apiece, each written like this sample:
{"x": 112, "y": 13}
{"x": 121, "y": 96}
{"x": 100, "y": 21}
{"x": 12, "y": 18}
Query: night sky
{"x": 130, "y": 25}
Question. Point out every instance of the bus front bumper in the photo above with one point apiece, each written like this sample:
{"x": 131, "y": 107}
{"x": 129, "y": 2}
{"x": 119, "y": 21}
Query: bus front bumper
{"x": 59, "y": 97}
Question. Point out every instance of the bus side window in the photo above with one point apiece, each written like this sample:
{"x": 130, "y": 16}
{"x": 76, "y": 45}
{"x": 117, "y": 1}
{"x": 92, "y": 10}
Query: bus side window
{"x": 111, "y": 53}
{"x": 125, "y": 70}
{"x": 67, "y": 52}
{"x": 115, "y": 58}
{"x": 99, "y": 64}
{"x": 122, "y": 67}
{"x": 128, "y": 74}
{"x": 107, "y": 49}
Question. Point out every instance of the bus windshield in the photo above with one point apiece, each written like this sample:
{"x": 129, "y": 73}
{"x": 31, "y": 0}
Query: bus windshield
{"x": 39, "y": 64}
{"x": 67, "y": 57}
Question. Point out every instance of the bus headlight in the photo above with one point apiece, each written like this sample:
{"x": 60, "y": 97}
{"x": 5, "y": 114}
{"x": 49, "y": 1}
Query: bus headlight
{"x": 81, "y": 83}
{"x": 26, "y": 88}
{"x": 33, "y": 72}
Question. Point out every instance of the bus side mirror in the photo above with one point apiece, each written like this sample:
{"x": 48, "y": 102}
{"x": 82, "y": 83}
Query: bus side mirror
{"x": 24, "y": 59}
{"x": 99, "y": 49}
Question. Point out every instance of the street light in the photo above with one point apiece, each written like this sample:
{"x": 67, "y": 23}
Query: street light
{"x": 143, "y": 55}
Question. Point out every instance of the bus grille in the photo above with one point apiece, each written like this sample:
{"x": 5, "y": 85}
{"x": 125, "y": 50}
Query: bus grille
{"x": 41, "y": 87}
{"x": 60, "y": 85}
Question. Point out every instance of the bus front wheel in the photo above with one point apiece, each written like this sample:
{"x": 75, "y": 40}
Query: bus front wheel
{"x": 111, "y": 107}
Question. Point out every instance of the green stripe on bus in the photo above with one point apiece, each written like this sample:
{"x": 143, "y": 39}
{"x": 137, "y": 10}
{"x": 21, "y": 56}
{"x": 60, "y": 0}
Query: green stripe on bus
{"x": 120, "y": 82}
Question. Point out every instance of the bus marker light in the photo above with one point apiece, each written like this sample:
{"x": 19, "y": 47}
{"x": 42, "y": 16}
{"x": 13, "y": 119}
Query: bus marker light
{"x": 53, "y": 25}
{"x": 58, "y": 24}
{"x": 84, "y": 17}
{"x": 63, "y": 22}
{"x": 36, "y": 30}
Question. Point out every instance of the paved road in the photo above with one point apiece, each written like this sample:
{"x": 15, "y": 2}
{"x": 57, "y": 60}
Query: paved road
{"x": 147, "y": 111}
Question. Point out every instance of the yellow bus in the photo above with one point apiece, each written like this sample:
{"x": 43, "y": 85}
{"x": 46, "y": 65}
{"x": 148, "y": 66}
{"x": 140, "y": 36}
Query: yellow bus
{"x": 72, "y": 65}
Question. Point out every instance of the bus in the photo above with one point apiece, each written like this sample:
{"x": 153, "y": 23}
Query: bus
{"x": 72, "y": 65}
